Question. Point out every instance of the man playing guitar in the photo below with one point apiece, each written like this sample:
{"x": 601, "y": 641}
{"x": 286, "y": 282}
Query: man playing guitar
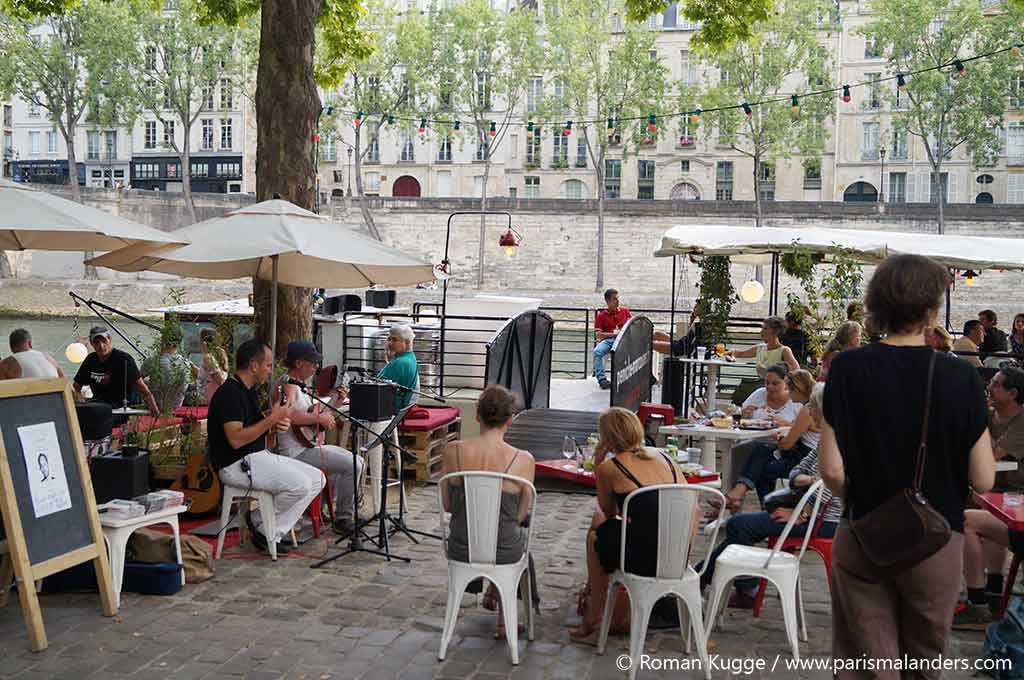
{"x": 301, "y": 361}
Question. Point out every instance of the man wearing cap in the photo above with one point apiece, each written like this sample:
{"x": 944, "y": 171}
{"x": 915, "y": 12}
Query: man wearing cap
{"x": 301, "y": 362}
{"x": 111, "y": 374}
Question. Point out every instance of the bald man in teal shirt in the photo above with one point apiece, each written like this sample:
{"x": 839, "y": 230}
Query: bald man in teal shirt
{"x": 402, "y": 367}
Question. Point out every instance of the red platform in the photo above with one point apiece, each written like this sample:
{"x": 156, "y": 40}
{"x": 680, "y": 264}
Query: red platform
{"x": 567, "y": 470}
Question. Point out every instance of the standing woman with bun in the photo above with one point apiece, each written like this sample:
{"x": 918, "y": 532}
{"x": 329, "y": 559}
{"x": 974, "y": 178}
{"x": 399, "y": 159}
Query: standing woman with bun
{"x": 495, "y": 410}
{"x": 876, "y": 403}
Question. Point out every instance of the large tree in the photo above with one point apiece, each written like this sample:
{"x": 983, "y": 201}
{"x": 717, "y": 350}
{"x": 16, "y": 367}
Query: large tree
{"x": 605, "y": 75}
{"x": 483, "y": 61}
{"x": 181, "y": 66}
{"x": 944, "y": 109}
{"x": 783, "y": 55}
{"x": 384, "y": 87}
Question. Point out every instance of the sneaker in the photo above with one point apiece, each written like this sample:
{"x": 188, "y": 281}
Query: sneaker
{"x": 604, "y": 383}
{"x": 972, "y": 617}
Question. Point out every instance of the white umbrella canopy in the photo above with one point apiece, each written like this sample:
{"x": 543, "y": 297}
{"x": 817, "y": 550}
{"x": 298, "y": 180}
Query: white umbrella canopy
{"x": 310, "y": 251}
{"x": 31, "y": 219}
{"x": 952, "y": 250}
{"x": 280, "y": 242}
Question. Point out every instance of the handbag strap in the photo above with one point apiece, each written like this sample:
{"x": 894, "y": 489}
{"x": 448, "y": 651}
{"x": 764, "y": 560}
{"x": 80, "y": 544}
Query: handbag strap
{"x": 922, "y": 450}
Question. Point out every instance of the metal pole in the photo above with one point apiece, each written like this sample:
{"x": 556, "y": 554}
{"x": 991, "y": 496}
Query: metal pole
{"x": 881, "y": 177}
{"x": 672, "y": 314}
{"x": 273, "y": 306}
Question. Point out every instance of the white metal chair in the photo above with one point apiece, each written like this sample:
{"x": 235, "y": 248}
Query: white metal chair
{"x": 677, "y": 504}
{"x": 237, "y": 494}
{"x": 771, "y": 564}
{"x": 483, "y": 503}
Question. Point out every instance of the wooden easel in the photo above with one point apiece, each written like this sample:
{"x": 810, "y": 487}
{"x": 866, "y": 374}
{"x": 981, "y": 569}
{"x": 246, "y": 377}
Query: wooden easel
{"x": 82, "y": 514}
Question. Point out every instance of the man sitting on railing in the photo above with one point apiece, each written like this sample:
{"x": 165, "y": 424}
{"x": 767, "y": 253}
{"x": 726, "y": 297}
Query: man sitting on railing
{"x": 607, "y": 325}
{"x": 685, "y": 345}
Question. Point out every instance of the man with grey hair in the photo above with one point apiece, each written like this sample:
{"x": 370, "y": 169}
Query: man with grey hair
{"x": 26, "y": 362}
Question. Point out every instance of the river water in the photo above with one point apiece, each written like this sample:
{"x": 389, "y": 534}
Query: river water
{"x": 54, "y": 335}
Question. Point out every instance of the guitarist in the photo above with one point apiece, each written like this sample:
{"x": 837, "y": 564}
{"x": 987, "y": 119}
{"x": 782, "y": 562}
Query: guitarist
{"x": 301, "y": 362}
{"x": 238, "y": 444}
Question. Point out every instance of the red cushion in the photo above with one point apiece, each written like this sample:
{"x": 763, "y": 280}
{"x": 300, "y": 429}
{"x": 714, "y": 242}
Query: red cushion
{"x": 437, "y": 416}
{"x": 192, "y": 412}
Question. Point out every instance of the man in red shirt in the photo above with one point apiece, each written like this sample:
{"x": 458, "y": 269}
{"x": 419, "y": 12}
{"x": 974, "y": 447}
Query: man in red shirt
{"x": 608, "y": 323}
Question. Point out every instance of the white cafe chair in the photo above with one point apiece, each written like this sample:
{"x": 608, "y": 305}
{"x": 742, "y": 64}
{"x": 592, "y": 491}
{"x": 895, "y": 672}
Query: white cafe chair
{"x": 677, "y": 504}
{"x": 483, "y": 503}
{"x": 781, "y": 569}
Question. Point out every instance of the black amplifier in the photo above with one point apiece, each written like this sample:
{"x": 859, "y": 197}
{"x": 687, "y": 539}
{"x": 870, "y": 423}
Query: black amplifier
{"x": 381, "y": 299}
{"x": 117, "y": 476}
{"x": 372, "y": 401}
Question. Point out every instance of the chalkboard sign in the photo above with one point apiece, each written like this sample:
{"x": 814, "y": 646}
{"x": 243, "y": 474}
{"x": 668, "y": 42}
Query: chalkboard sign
{"x": 46, "y": 497}
{"x": 631, "y": 364}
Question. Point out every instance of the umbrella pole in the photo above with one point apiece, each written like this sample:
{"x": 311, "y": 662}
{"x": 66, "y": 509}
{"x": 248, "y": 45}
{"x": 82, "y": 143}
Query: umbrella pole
{"x": 273, "y": 306}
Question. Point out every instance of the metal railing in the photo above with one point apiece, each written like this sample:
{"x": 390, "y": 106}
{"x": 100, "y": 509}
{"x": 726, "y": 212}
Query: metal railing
{"x": 461, "y": 363}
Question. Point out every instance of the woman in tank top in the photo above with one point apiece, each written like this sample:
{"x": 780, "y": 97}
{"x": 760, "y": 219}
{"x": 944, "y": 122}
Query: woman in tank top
{"x": 770, "y": 351}
{"x": 489, "y": 453}
{"x": 622, "y": 465}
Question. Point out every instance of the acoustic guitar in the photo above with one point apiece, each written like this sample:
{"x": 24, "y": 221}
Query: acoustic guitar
{"x": 201, "y": 485}
{"x": 312, "y": 436}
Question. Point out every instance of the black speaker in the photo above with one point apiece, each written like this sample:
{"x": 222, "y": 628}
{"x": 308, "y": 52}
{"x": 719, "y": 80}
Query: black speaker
{"x": 371, "y": 401}
{"x": 672, "y": 392}
{"x": 342, "y": 303}
{"x": 95, "y": 419}
{"x": 116, "y": 476}
{"x": 381, "y": 299}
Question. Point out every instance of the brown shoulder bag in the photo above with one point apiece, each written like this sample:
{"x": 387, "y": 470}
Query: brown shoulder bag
{"x": 905, "y": 529}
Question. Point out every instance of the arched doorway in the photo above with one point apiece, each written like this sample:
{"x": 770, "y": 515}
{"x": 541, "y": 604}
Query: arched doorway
{"x": 860, "y": 192}
{"x": 684, "y": 191}
{"x": 983, "y": 197}
{"x": 574, "y": 188}
{"x": 406, "y": 186}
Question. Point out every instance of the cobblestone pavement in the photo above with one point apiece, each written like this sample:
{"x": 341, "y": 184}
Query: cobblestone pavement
{"x": 361, "y": 617}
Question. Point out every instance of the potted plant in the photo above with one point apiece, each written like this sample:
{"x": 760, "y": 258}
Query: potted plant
{"x": 131, "y": 439}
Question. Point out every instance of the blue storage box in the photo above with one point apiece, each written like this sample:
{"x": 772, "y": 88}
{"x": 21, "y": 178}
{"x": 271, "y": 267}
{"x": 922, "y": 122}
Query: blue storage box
{"x": 146, "y": 579}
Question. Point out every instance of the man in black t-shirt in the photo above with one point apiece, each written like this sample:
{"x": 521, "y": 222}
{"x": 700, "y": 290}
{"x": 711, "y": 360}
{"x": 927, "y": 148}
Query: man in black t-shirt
{"x": 995, "y": 339}
{"x": 111, "y": 374}
{"x": 237, "y": 431}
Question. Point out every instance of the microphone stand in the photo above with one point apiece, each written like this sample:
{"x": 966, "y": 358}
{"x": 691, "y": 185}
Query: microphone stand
{"x": 355, "y": 540}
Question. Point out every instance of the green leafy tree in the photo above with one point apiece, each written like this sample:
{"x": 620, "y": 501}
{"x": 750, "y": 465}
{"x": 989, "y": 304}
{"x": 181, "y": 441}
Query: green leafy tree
{"x": 385, "y": 87}
{"x": 783, "y": 55}
{"x": 606, "y": 75}
{"x": 717, "y": 296}
{"x": 945, "y": 110}
{"x": 180, "y": 66}
{"x": 482, "y": 64}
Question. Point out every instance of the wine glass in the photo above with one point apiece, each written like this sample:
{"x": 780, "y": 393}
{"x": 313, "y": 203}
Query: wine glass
{"x": 568, "y": 447}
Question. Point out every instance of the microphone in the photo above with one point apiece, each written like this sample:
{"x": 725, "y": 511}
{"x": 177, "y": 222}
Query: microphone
{"x": 297, "y": 383}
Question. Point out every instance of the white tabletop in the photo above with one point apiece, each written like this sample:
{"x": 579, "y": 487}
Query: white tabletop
{"x": 130, "y": 411}
{"x": 709, "y": 432}
{"x": 1007, "y": 465}
{"x": 712, "y": 362}
{"x": 106, "y": 520}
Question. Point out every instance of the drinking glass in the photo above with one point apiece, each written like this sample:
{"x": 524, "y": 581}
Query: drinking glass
{"x": 720, "y": 350}
{"x": 569, "y": 447}
{"x": 1013, "y": 498}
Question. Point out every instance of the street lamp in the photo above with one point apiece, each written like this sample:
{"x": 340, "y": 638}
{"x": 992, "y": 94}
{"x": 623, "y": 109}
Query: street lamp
{"x": 881, "y": 178}
{"x": 328, "y": 110}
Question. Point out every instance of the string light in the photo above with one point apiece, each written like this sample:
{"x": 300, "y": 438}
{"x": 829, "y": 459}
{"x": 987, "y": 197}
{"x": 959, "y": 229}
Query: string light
{"x": 568, "y": 128}
{"x": 1015, "y": 50}
{"x": 423, "y": 125}
{"x": 359, "y": 119}
{"x": 529, "y": 130}
{"x": 794, "y": 104}
{"x": 695, "y": 116}
{"x": 652, "y": 123}
{"x": 391, "y": 119}
{"x": 846, "y": 94}
{"x": 611, "y": 127}
{"x": 959, "y": 66}
{"x": 747, "y": 110}
{"x": 901, "y": 82}
{"x": 493, "y": 132}
{"x": 456, "y": 127}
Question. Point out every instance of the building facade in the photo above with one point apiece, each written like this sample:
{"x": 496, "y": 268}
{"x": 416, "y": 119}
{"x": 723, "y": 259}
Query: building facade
{"x": 864, "y": 158}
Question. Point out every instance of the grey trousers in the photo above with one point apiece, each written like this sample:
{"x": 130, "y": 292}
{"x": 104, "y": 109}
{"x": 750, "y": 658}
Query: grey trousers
{"x": 878, "y": 617}
{"x": 336, "y": 462}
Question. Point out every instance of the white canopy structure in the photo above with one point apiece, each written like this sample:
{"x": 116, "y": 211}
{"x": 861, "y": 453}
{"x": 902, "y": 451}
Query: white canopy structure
{"x": 955, "y": 251}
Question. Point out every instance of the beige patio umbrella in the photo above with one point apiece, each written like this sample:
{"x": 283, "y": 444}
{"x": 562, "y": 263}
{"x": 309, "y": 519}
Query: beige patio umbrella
{"x": 277, "y": 241}
{"x": 31, "y": 219}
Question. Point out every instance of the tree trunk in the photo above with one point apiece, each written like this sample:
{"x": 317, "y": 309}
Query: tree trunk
{"x": 76, "y": 190}
{"x": 287, "y": 104}
{"x": 186, "y": 177}
{"x": 364, "y": 206}
{"x": 483, "y": 222}
{"x": 599, "y": 179}
{"x": 942, "y": 194}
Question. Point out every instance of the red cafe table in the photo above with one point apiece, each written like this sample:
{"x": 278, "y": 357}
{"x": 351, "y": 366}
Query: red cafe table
{"x": 1013, "y": 517}
{"x": 569, "y": 471}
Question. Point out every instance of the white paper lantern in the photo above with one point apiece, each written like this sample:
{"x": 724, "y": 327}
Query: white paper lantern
{"x": 751, "y": 292}
{"x": 76, "y": 352}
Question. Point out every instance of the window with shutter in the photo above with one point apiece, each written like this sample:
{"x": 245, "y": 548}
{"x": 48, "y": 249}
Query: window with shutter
{"x": 1015, "y": 189}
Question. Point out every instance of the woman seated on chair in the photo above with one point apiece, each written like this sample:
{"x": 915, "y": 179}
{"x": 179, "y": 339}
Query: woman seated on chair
{"x": 750, "y": 528}
{"x": 772, "y": 459}
{"x": 847, "y": 336}
{"x": 771, "y": 351}
{"x": 631, "y": 468}
{"x": 495, "y": 410}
